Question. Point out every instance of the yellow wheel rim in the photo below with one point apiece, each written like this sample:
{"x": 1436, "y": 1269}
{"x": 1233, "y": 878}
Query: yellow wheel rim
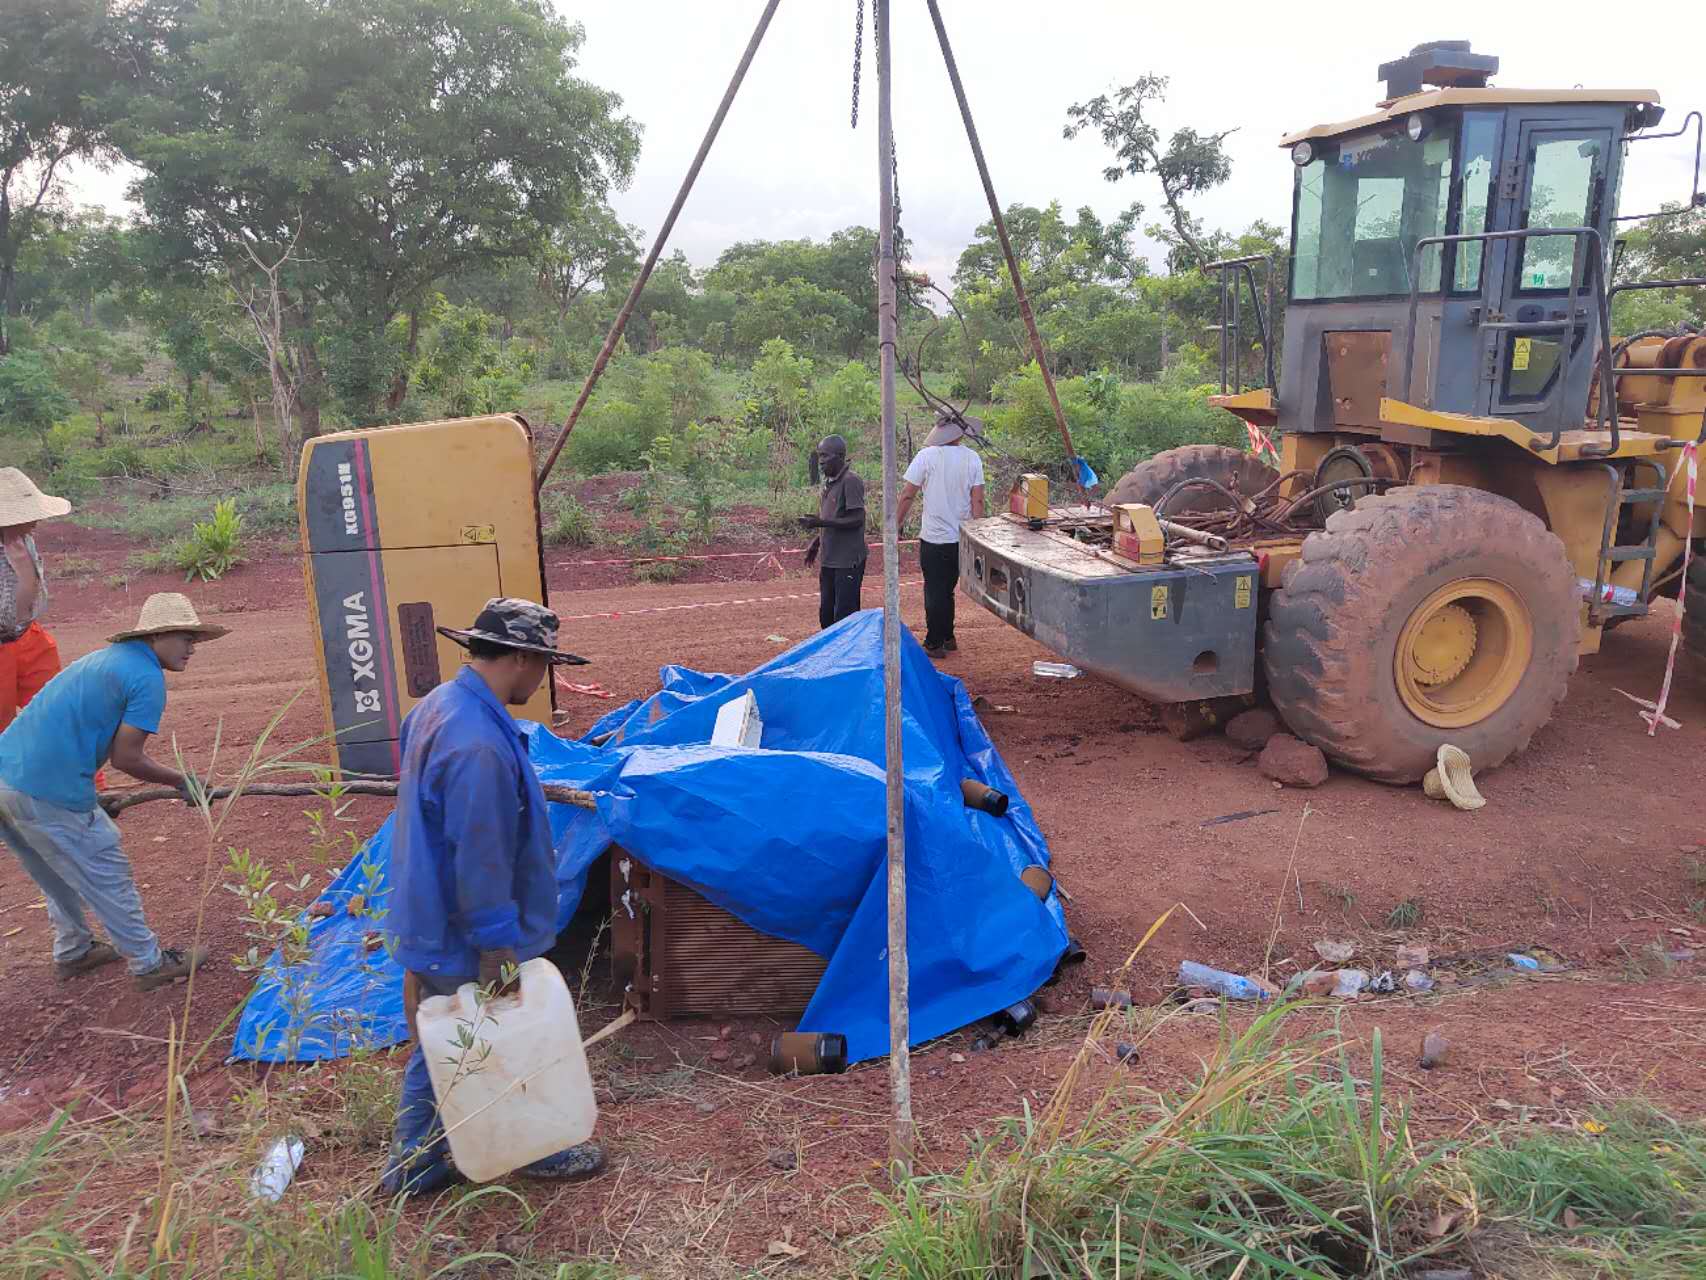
{"x": 1463, "y": 652}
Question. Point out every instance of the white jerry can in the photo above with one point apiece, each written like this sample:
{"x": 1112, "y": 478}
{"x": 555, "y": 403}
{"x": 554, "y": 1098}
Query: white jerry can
{"x": 511, "y": 1077}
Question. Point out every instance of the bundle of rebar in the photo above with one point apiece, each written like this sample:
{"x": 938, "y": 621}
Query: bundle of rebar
{"x": 1263, "y": 514}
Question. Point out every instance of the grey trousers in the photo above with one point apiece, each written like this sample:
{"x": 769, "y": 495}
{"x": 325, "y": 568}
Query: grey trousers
{"x": 76, "y": 861}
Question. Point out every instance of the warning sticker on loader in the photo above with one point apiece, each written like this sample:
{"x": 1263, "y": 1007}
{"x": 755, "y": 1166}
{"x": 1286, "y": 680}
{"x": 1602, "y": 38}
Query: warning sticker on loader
{"x": 1521, "y": 349}
{"x": 1158, "y": 603}
{"x": 1241, "y": 592}
{"x": 479, "y": 534}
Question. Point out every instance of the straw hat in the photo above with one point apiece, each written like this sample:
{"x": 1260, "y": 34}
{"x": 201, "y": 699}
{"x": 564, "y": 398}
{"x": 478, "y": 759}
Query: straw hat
{"x": 165, "y": 612}
{"x": 22, "y": 503}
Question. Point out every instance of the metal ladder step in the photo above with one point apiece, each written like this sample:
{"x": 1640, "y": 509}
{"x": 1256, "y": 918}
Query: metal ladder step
{"x": 1629, "y": 553}
{"x": 1605, "y": 611}
{"x": 1641, "y": 495}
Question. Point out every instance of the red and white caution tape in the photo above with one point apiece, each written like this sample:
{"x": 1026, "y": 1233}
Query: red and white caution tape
{"x": 703, "y": 604}
{"x": 1261, "y": 442}
{"x": 590, "y": 690}
{"x": 763, "y": 557}
{"x": 1656, "y": 715}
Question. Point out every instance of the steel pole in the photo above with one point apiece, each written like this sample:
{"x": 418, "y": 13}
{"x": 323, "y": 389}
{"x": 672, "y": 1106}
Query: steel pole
{"x": 621, "y": 322}
{"x": 900, "y": 1060}
{"x": 1001, "y": 232}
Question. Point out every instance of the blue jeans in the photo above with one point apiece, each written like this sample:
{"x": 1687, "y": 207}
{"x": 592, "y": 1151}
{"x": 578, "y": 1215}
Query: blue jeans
{"x": 420, "y": 1153}
{"x": 76, "y": 861}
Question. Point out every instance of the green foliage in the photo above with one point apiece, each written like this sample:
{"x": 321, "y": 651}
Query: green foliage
{"x": 568, "y": 523}
{"x": 1114, "y": 426}
{"x": 477, "y": 140}
{"x": 1625, "y": 1199}
{"x": 1671, "y": 247}
{"x": 1406, "y": 915}
{"x": 213, "y": 547}
{"x": 639, "y": 399}
{"x": 1273, "y": 1164}
{"x": 462, "y": 365}
{"x": 849, "y": 395}
{"x": 1191, "y": 162}
{"x": 31, "y": 398}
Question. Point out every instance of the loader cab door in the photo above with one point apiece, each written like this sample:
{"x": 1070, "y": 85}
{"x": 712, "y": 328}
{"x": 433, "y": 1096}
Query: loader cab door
{"x": 1554, "y": 172}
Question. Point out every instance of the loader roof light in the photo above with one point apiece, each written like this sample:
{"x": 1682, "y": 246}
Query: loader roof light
{"x": 1417, "y": 126}
{"x": 1302, "y": 153}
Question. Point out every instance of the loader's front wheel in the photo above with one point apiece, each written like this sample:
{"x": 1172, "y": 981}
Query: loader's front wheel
{"x": 1423, "y": 616}
{"x": 1694, "y": 621}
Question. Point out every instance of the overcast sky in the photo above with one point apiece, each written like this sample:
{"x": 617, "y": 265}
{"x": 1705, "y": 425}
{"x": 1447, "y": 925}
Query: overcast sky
{"x": 786, "y": 164}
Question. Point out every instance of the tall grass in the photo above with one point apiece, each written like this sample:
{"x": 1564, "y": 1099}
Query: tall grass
{"x": 1278, "y": 1162}
{"x": 1290, "y": 1159}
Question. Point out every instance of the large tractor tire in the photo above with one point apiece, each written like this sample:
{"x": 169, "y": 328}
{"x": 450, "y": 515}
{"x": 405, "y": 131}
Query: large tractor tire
{"x": 1148, "y": 482}
{"x": 1423, "y": 616}
{"x": 1694, "y": 623}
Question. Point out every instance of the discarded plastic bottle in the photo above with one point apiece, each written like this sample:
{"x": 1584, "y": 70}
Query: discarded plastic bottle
{"x": 1055, "y": 670}
{"x": 276, "y": 1170}
{"x": 1608, "y": 594}
{"x": 1233, "y": 986}
{"x": 1523, "y": 962}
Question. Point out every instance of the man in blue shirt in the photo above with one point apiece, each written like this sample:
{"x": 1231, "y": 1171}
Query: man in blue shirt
{"x": 473, "y": 872}
{"x": 102, "y": 707}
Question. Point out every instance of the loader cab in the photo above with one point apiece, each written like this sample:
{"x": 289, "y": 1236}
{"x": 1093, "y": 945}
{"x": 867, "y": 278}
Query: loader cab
{"x": 1405, "y": 212}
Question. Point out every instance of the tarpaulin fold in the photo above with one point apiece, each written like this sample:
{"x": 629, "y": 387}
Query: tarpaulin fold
{"x": 789, "y": 836}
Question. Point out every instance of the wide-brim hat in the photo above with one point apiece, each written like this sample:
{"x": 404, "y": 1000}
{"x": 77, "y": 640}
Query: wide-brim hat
{"x": 22, "y": 503}
{"x": 947, "y": 430}
{"x": 515, "y": 624}
{"x": 165, "y": 612}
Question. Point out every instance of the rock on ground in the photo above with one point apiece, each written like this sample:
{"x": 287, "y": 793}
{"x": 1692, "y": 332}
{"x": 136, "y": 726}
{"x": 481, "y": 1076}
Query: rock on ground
{"x": 1292, "y": 762}
{"x": 1252, "y": 729}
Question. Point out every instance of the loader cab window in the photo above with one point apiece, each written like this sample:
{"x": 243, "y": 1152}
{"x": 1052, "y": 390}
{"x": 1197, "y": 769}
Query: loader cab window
{"x": 1480, "y": 158}
{"x": 1360, "y": 207}
{"x": 1566, "y": 179}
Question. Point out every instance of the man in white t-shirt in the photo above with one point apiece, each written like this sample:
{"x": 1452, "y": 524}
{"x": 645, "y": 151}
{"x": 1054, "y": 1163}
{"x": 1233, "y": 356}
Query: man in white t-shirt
{"x": 950, "y": 474}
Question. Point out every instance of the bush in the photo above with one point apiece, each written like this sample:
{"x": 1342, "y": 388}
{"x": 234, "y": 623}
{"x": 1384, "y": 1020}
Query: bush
{"x": 30, "y": 396}
{"x": 569, "y": 523}
{"x": 1113, "y": 426}
{"x": 160, "y": 398}
{"x": 213, "y": 547}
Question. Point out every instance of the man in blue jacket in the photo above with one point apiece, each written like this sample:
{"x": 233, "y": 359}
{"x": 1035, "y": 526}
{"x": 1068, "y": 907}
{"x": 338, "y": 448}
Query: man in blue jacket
{"x": 473, "y": 875}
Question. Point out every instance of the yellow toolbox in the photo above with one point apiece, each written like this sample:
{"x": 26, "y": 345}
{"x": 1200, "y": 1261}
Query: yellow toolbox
{"x": 405, "y": 529}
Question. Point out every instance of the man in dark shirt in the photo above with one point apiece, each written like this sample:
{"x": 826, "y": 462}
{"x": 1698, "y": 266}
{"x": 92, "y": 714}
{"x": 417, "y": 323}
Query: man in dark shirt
{"x": 840, "y": 542}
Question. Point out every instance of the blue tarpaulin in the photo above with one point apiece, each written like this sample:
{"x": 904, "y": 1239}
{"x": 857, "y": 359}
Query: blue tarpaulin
{"x": 788, "y": 836}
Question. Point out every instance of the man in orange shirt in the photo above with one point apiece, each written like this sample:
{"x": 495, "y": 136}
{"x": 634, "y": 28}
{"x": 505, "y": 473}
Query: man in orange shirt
{"x": 28, "y": 656}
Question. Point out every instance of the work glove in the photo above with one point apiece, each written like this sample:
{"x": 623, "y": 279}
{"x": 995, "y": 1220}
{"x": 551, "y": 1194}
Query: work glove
{"x": 811, "y": 553}
{"x": 810, "y": 522}
{"x": 493, "y": 965}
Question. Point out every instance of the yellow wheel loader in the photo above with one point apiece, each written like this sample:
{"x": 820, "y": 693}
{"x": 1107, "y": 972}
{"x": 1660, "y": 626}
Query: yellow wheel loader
{"x": 1471, "y": 478}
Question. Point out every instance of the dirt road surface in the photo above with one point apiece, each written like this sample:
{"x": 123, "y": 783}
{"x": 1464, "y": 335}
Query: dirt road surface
{"x": 1582, "y": 850}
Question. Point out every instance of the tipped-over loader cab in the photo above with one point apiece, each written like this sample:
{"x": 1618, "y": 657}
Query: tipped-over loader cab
{"x": 1473, "y": 477}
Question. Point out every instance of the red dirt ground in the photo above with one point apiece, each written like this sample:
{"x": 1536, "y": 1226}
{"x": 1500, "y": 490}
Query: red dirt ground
{"x": 1581, "y": 850}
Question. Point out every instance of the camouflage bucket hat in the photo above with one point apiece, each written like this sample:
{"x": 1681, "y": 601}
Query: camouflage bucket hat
{"x": 516, "y": 624}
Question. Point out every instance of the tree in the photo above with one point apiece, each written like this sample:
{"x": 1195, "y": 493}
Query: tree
{"x": 1671, "y": 246}
{"x": 591, "y": 246}
{"x": 59, "y": 61}
{"x": 1192, "y": 162}
{"x": 396, "y": 141}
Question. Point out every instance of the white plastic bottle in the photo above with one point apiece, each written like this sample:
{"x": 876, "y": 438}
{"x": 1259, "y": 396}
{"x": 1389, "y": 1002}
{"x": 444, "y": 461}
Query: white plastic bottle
{"x": 510, "y": 1076}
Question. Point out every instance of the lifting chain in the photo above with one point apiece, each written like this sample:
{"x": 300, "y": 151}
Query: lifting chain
{"x": 858, "y": 48}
